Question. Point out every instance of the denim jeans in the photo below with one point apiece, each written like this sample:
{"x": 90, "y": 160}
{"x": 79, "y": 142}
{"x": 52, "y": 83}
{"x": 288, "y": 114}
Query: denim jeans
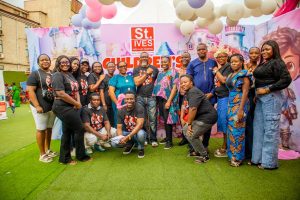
{"x": 138, "y": 139}
{"x": 266, "y": 129}
{"x": 149, "y": 103}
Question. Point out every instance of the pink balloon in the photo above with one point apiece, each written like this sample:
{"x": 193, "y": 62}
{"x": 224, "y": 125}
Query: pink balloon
{"x": 93, "y": 15}
{"x": 94, "y": 4}
{"x": 109, "y": 11}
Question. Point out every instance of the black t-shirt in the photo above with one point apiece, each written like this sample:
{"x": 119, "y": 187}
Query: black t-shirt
{"x": 104, "y": 86}
{"x": 83, "y": 89}
{"x": 220, "y": 89}
{"x": 92, "y": 79}
{"x": 95, "y": 116}
{"x": 35, "y": 80}
{"x": 67, "y": 83}
{"x": 145, "y": 89}
{"x": 128, "y": 119}
{"x": 205, "y": 111}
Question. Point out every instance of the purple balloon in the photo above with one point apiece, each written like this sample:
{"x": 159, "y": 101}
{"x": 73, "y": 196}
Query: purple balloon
{"x": 82, "y": 11}
{"x": 196, "y": 3}
{"x": 76, "y": 20}
{"x": 87, "y": 24}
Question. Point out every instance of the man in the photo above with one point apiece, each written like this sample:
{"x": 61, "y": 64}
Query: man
{"x": 96, "y": 124}
{"x": 130, "y": 124}
{"x": 105, "y": 99}
{"x": 201, "y": 117}
{"x": 144, "y": 78}
{"x": 201, "y": 69}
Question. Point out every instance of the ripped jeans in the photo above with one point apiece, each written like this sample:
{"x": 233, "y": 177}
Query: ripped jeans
{"x": 266, "y": 129}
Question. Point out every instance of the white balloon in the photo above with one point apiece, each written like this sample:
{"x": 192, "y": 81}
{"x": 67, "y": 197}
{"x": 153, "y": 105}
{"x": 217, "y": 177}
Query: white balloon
{"x": 223, "y": 10}
{"x": 217, "y": 12}
{"x": 193, "y": 18}
{"x": 106, "y": 2}
{"x": 215, "y": 27}
{"x": 268, "y": 6}
{"x": 187, "y": 28}
{"x": 235, "y": 11}
{"x": 176, "y": 2}
{"x": 252, "y": 4}
{"x": 202, "y": 22}
{"x": 184, "y": 11}
{"x": 230, "y": 22}
{"x": 178, "y": 23}
{"x": 206, "y": 11}
{"x": 130, "y": 3}
{"x": 247, "y": 12}
{"x": 256, "y": 12}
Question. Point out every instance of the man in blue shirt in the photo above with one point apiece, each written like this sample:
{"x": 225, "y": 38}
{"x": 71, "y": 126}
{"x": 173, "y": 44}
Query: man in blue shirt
{"x": 201, "y": 69}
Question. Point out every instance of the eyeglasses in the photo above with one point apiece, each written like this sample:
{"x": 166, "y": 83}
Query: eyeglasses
{"x": 64, "y": 63}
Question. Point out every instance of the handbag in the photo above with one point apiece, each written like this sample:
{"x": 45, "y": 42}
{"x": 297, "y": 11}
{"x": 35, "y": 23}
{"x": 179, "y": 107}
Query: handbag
{"x": 46, "y": 94}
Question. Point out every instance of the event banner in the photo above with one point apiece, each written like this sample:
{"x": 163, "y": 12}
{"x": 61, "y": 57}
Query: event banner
{"x": 125, "y": 42}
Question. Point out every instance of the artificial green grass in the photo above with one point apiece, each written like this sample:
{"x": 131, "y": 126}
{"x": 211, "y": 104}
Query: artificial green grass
{"x": 14, "y": 76}
{"x": 162, "y": 174}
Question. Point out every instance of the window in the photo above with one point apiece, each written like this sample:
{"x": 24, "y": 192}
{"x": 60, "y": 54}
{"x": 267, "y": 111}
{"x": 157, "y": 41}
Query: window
{"x": 1, "y": 47}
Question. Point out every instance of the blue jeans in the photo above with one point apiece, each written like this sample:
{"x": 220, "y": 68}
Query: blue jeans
{"x": 138, "y": 139}
{"x": 149, "y": 103}
{"x": 266, "y": 129}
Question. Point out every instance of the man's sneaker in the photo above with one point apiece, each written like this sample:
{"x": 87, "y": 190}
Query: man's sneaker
{"x": 45, "y": 158}
{"x": 128, "y": 149}
{"x": 141, "y": 153}
{"x": 146, "y": 143}
{"x": 168, "y": 145}
{"x": 88, "y": 151}
{"x": 99, "y": 148}
{"x": 202, "y": 159}
{"x": 154, "y": 144}
{"x": 51, "y": 153}
{"x": 163, "y": 141}
{"x": 106, "y": 145}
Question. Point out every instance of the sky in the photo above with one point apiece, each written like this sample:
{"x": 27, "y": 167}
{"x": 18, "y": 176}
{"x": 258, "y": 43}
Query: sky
{"x": 124, "y": 12}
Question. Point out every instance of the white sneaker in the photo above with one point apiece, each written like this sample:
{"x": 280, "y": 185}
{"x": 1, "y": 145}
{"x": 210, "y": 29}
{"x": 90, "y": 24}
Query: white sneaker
{"x": 51, "y": 153}
{"x": 106, "y": 145}
{"x": 146, "y": 143}
{"x": 154, "y": 144}
{"x": 73, "y": 152}
{"x": 88, "y": 151}
{"x": 45, "y": 158}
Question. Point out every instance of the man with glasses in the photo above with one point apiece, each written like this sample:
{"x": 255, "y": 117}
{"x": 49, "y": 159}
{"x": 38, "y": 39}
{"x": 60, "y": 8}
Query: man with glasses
{"x": 201, "y": 69}
{"x": 144, "y": 78}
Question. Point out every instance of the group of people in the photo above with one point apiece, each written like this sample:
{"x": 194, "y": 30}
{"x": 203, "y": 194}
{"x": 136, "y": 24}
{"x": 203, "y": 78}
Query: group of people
{"x": 100, "y": 110}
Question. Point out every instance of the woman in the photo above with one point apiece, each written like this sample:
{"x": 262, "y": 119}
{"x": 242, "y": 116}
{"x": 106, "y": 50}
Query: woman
{"x": 238, "y": 83}
{"x": 74, "y": 66}
{"x": 37, "y": 82}
{"x": 82, "y": 80}
{"x": 221, "y": 73}
{"x": 16, "y": 95}
{"x": 119, "y": 84}
{"x": 271, "y": 76}
{"x": 165, "y": 90}
{"x": 254, "y": 55}
{"x": 67, "y": 106}
{"x": 96, "y": 77}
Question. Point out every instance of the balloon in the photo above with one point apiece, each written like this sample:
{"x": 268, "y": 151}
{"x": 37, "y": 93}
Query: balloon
{"x": 176, "y": 2}
{"x": 217, "y": 12}
{"x": 187, "y": 28}
{"x": 268, "y": 7}
{"x": 223, "y": 10}
{"x": 230, "y": 22}
{"x": 108, "y": 11}
{"x": 215, "y": 27}
{"x": 202, "y": 22}
{"x": 87, "y": 24}
{"x": 106, "y": 2}
{"x": 256, "y": 12}
{"x": 130, "y": 3}
{"x": 82, "y": 11}
{"x": 76, "y": 20}
{"x": 94, "y": 4}
{"x": 247, "y": 12}
{"x": 184, "y": 11}
{"x": 93, "y": 15}
{"x": 235, "y": 11}
{"x": 196, "y": 3}
{"x": 96, "y": 25}
{"x": 178, "y": 23}
{"x": 193, "y": 18}
{"x": 252, "y": 4}
{"x": 206, "y": 11}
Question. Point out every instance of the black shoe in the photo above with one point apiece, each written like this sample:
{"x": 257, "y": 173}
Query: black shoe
{"x": 202, "y": 159}
{"x": 128, "y": 148}
{"x": 163, "y": 141}
{"x": 183, "y": 142}
{"x": 193, "y": 154}
{"x": 168, "y": 145}
{"x": 141, "y": 153}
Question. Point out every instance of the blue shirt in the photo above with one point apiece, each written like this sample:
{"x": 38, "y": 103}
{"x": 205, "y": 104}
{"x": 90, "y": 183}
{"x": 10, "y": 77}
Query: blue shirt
{"x": 202, "y": 72}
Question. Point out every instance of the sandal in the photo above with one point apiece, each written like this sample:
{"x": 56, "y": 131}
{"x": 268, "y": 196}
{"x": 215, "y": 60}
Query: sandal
{"x": 261, "y": 167}
{"x": 220, "y": 153}
{"x": 252, "y": 164}
{"x": 71, "y": 162}
{"x": 45, "y": 158}
{"x": 235, "y": 163}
